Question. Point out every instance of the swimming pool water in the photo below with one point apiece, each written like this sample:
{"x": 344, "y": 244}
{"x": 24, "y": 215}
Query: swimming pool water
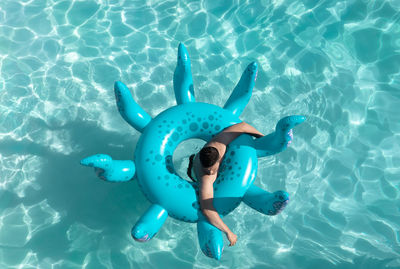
{"x": 336, "y": 62}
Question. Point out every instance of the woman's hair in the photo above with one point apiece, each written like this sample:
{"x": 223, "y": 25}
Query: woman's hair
{"x": 208, "y": 156}
{"x": 189, "y": 170}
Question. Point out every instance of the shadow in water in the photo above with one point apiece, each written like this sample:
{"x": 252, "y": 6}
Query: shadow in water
{"x": 75, "y": 192}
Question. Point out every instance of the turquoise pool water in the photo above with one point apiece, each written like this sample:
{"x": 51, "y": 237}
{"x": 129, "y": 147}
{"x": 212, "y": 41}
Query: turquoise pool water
{"x": 337, "y": 62}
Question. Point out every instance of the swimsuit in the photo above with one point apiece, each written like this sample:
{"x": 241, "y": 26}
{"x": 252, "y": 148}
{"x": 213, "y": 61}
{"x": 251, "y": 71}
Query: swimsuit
{"x": 193, "y": 173}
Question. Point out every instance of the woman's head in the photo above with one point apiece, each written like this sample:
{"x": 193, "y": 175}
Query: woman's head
{"x": 208, "y": 156}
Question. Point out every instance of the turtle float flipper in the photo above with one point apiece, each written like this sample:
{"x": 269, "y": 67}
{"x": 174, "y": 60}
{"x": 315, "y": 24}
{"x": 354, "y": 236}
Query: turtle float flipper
{"x": 183, "y": 81}
{"x": 266, "y": 202}
{"x": 129, "y": 109}
{"x": 241, "y": 94}
{"x": 210, "y": 239}
{"x": 280, "y": 139}
{"x": 149, "y": 223}
{"x": 110, "y": 170}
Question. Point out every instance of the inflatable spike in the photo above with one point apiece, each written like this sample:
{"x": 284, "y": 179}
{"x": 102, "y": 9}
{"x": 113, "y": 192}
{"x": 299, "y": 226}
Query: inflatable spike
{"x": 266, "y": 202}
{"x": 243, "y": 90}
{"x": 149, "y": 223}
{"x": 129, "y": 109}
{"x": 183, "y": 82}
{"x": 279, "y": 140}
{"x": 109, "y": 169}
{"x": 210, "y": 239}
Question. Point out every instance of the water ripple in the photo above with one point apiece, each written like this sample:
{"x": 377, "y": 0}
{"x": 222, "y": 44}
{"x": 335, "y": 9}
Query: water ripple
{"x": 335, "y": 62}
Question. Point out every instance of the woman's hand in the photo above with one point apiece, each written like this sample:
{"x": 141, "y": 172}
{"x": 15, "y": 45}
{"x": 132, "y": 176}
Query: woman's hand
{"x": 232, "y": 238}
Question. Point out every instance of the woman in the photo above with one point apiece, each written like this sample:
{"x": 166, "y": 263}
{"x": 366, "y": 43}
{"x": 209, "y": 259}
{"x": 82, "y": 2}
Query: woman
{"x": 204, "y": 166}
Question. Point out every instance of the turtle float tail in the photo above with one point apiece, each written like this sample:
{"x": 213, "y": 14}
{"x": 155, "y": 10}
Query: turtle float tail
{"x": 110, "y": 170}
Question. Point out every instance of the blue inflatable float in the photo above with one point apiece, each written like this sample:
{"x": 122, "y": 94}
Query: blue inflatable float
{"x": 173, "y": 196}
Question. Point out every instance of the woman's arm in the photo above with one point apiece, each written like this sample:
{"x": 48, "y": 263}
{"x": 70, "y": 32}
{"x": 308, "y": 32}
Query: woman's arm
{"x": 248, "y": 129}
{"x": 221, "y": 140}
{"x": 208, "y": 210}
{"x": 206, "y": 203}
{"x": 232, "y": 132}
{"x": 244, "y": 128}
